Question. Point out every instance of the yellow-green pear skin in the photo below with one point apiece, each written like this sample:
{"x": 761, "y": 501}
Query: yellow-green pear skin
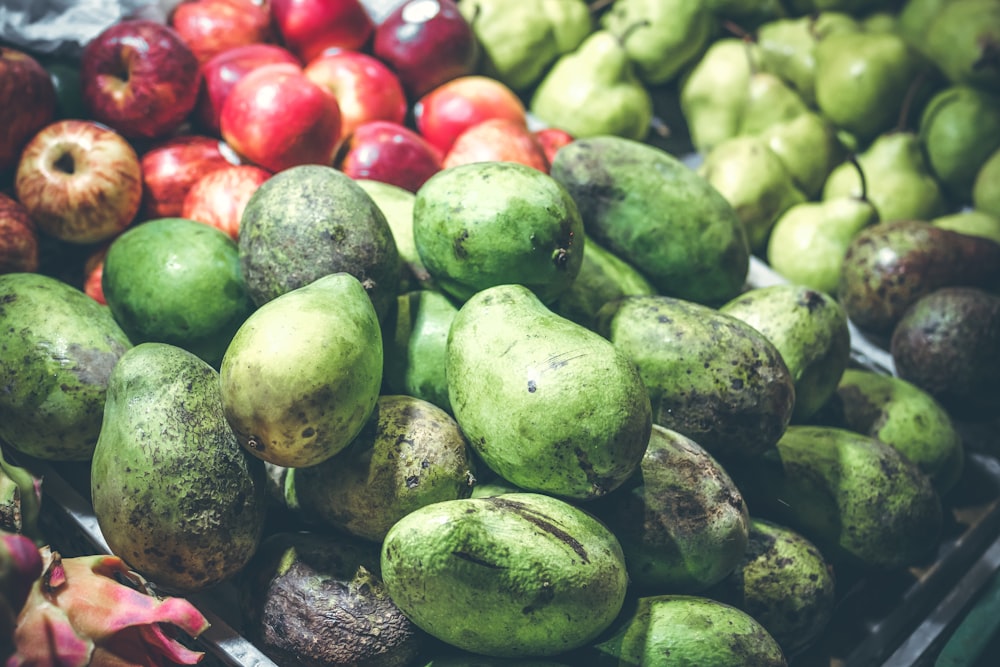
{"x": 769, "y": 100}
{"x": 962, "y": 41}
{"x": 971, "y": 221}
{"x": 515, "y": 575}
{"x": 652, "y": 210}
{"x": 986, "y": 187}
{"x": 396, "y": 204}
{"x": 546, "y": 403}
{"x": 302, "y": 375}
{"x": 809, "y": 148}
{"x": 174, "y": 493}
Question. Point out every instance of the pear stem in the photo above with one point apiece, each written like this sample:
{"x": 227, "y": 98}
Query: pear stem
{"x": 644, "y": 23}
{"x": 911, "y": 94}
{"x": 599, "y": 6}
{"x": 737, "y": 30}
{"x": 853, "y": 159}
{"x": 660, "y": 127}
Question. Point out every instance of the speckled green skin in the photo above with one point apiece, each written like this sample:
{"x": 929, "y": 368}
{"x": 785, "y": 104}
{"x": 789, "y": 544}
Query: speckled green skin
{"x": 397, "y": 205}
{"x": 302, "y": 375}
{"x": 810, "y": 330}
{"x": 523, "y": 574}
{"x": 415, "y": 338}
{"x": 682, "y": 523}
{"x": 174, "y": 494}
{"x": 310, "y": 221}
{"x": 411, "y": 453}
{"x": 467, "y": 659}
{"x": 313, "y": 598}
{"x": 547, "y": 404}
{"x": 57, "y": 349}
{"x": 710, "y": 376}
{"x": 492, "y": 223}
{"x": 901, "y": 414}
{"x": 858, "y": 499}
{"x": 785, "y": 583}
{"x": 177, "y": 281}
{"x": 688, "y": 631}
{"x": 654, "y": 212}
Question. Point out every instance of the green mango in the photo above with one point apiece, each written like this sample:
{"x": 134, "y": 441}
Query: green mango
{"x": 302, "y": 375}
{"x": 396, "y": 205}
{"x": 901, "y": 414}
{"x": 174, "y": 493}
{"x": 415, "y": 339}
{"x": 962, "y": 41}
{"x": 518, "y": 575}
{"x": 660, "y": 36}
{"x": 593, "y": 91}
{"x": 519, "y": 42}
{"x": 785, "y": 583}
{"x": 686, "y": 630}
{"x": 810, "y": 330}
{"x": 56, "y": 356}
{"x": 681, "y": 521}
{"x": 492, "y": 223}
{"x": 986, "y": 187}
{"x": 710, "y": 376}
{"x": 971, "y": 221}
{"x": 576, "y": 416}
{"x": 809, "y": 148}
{"x": 177, "y": 281}
{"x": 652, "y": 210}
{"x": 824, "y": 481}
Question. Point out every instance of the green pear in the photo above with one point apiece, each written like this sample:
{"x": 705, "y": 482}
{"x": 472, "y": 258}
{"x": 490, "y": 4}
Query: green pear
{"x": 754, "y": 181}
{"x": 972, "y": 222}
{"x": 963, "y": 40}
{"x": 714, "y": 91}
{"x": 986, "y": 188}
{"x": 521, "y": 40}
{"x": 899, "y": 182}
{"x": 769, "y": 100}
{"x": 960, "y": 129}
{"x": 881, "y": 21}
{"x": 595, "y": 91}
{"x": 660, "y": 36}
{"x": 809, "y": 148}
{"x": 914, "y": 19}
{"x": 862, "y": 79}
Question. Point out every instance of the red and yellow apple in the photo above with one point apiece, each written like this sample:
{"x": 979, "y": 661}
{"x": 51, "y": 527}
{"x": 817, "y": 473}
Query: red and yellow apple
{"x": 308, "y": 27}
{"x": 28, "y": 102}
{"x": 456, "y": 105}
{"x": 18, "y": 237}
{"x": 210, "y": 27}
{"x": 93, "y": 271}
{"x": 497, "y": 140}
{"x": 552, "y": 139}
{"x": 172, "y": 166}
{"x": 218, "y": 198}
{"x": 389, "y": 152}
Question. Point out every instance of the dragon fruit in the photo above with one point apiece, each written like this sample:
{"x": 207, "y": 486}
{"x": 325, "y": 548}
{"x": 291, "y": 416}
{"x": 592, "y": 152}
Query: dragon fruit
{"x": 20, "y": 499}
{"x": 20, "y": 565}
{"x": 93, "y": 610}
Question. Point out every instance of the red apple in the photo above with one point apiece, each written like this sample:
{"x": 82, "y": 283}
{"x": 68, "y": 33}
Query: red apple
{"x": 139, "y": 78}
{"x": 18, "y": 237}
{"x": 93, "y": 271}
{"x": 365, "y": 88}
{"x": 209, "y": 27}
{"x": 80, "y": 181}
{"x": 497, "y": 140}
{"x": 454, "y": 106}
{"x": 552, "y": 139}
{"x": 426, "y": 42}
{"x": 308, "y": 27}
{"x": 171, "y": 167}
{"x": 29, "y": 102}
{"x": 218, "y": 198}
{"x": 221, "y": 73}
{"x": 389, "y": 152}
{"x": 277, "y": 118}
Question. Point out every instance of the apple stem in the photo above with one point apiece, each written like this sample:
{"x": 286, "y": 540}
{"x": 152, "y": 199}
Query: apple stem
{"x": 853, "y": 159}
{"x": 911, "y": 93}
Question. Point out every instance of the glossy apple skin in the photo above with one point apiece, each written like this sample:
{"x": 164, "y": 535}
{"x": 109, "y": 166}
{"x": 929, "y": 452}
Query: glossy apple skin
{"x": 93, "y": 271}
{"x": 276, "y": 118}
{"x": 391, "y": 153}
{"x": 365, "y": 88}
{"x": 172, "y": 166}
{"x": 139, "y": 78}
{"x": 426, "y": 42}
{"x": 220, "y": 74}
{"x": 456, "y": 105}
{"x": 80, "y": 181}
{"x": 308, "y": 27}
{"x": 210, "y": 27}
{"x": 552, "y": 139}
{"x": 497, "y": 140}
{"x": 18, "y": 237}
{"x": 219, "y": 198}
{"x": 28, "y": 103}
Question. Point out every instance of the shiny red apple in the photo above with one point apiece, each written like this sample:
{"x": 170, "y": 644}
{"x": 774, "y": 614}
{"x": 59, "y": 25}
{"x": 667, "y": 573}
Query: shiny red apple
{"x": 426, "y": 42}
{"x": 27, "y": 102}
{"x": 139, "y": 78}
{"x": 221, "y": 73}
{"x": 209, "y": 27}
{"x": 308, "y": 27}
{"x": 18, "y": 237}
{"x": 218, "y": 198}
{"x": 172, "y": 166}
{"x": 93, "y": 271}
{"x": 276, "y": 118}
{"x": 80, "y": 181}
{"x": 365, "y": 88}
{"x": 389, "y": 152}
{"x": 497, "y": 140}
{"x": 456, "y": 105}
{"x": 552, "y": 139}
